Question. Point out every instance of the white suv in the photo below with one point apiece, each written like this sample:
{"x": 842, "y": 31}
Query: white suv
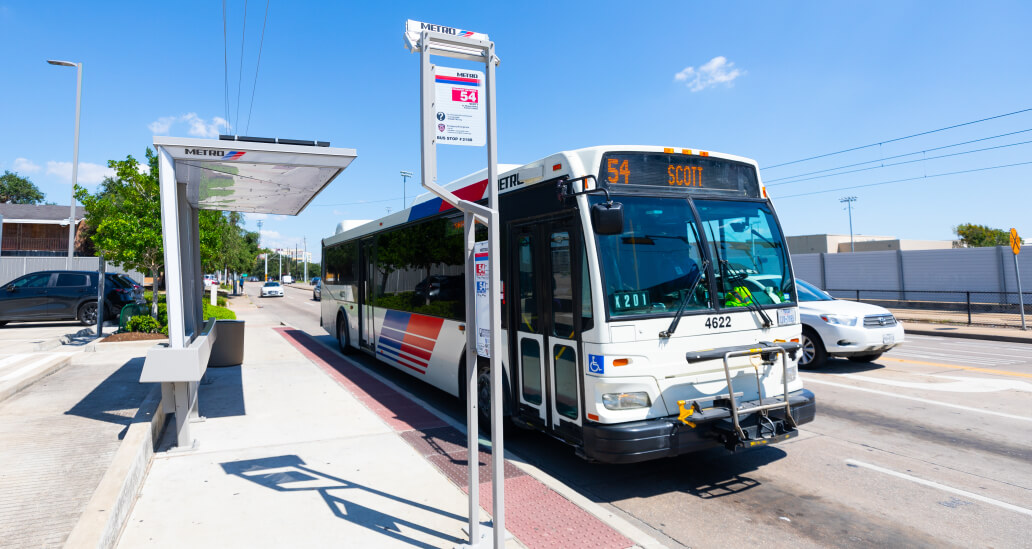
{"x": 849, "y": 329}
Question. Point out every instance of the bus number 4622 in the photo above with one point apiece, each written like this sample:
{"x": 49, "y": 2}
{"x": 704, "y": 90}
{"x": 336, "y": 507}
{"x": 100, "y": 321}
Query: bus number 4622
{"x": 718, "y": 322}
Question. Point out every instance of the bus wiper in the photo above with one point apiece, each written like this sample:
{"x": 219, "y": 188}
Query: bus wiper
{"x": 734, "y": 277}
{"x": 684, "y": 302}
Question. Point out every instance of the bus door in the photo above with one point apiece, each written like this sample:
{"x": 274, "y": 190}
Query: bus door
{"x": 367, "y": 274}
{"x": 546, "y": 338}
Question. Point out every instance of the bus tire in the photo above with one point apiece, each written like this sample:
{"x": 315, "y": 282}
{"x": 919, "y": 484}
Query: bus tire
{"x": 484, "y": 396}
{"x": 343, "y": 335}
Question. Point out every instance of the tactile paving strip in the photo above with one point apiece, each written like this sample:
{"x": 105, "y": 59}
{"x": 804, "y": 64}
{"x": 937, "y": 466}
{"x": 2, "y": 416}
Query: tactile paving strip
{"x": 534, "y": 513}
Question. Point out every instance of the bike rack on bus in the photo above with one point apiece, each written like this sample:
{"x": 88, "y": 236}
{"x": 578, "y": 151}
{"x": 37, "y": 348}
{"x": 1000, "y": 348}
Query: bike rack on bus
{"x": 767, "y": 352}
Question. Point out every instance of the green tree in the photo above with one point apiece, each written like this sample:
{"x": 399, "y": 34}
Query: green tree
{"x": 125, "y": 215}
{"x": 15, "y": 189}
{"x": 978, "y": 236}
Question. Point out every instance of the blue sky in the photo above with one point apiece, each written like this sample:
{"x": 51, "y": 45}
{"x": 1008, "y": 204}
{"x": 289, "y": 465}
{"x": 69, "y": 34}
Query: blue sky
{"x": 776, "y": 82}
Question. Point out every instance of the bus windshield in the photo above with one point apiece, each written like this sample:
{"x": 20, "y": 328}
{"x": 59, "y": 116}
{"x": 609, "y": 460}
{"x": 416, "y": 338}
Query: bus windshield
{"x": 649, "y": 268}
{"x": 748, "y": 252}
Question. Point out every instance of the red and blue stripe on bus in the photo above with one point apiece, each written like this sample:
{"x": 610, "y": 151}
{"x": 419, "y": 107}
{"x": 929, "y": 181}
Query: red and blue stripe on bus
{"x": 408, "y": 339}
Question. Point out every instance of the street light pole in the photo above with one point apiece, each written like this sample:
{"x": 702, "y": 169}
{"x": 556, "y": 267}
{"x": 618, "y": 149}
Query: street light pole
{"x": 404, "y": 196}
{"x": 849, "y": 205}
{"x": 75, "y": 153}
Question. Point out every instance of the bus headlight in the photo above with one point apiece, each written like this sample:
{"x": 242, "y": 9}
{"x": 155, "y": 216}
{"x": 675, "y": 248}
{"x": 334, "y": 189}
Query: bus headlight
{"x": 626, "y": 401}
{"x": 791, "y": 372}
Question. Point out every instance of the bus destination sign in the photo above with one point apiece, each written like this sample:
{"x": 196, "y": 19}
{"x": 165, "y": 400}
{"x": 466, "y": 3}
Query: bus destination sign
{"x": 678, "y": 171}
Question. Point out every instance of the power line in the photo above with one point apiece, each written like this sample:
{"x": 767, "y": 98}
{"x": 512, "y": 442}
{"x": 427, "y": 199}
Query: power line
{"x": 898, "y": 139}
{"x": 240, "y": 72}
{"x": 900, "y": 163}
{"x": 903, "y": 180}
{"x": 256, "y": 67}
{"x": 768, "y": 181}
{"x": 225, "y": 63}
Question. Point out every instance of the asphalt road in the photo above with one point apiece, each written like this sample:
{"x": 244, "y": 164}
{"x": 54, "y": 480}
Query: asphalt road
{"x": 930, "y": 446}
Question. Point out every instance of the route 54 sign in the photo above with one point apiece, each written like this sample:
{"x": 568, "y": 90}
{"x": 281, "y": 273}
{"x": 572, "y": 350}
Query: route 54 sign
{"x": 459, "y": 108}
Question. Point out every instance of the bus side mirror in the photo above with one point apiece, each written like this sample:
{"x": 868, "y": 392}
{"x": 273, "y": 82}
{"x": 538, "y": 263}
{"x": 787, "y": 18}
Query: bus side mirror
{"x": 607, "y": 218}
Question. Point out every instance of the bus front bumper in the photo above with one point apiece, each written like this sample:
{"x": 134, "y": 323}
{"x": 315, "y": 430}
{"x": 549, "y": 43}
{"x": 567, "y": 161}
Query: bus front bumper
{"x": 649, "y": 439}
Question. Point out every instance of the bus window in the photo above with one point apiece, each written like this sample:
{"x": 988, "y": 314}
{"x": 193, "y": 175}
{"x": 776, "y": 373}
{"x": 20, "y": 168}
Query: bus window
{"x": 527, "y": 300}
{"x": 587, "y": 320}
{"x": 751, "y": 263}
{"x": 562, "y": 285}
{"x": 566, "y": 381}
{"x": 650, "y": 267}
{"x": 530, "y": 369}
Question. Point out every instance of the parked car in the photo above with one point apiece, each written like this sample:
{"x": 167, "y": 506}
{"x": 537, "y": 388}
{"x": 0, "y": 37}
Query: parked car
{"x": 136, "y": 286}
{"x": 272, "y": 289}
{"x": 849, "y": 329}
{"x": 315, "y": 279}
{"x": 317, "y": 290}
{"x": 64, "y": 295}
{"x": 287, "y": 279}
{"x": 440, "y": 288}
{"x": 253, "y": 279}
{"x": 210, "y": 280}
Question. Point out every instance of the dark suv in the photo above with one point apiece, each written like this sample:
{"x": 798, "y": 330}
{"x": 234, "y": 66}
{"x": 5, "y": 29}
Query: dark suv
{"x": 65, "y": 295}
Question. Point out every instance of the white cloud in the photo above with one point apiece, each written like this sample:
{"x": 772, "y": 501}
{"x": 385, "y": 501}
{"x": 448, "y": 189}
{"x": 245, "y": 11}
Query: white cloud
{"x": 24, "y": 165}
{"x": 161, "y": 125}
{"x": 89, "y": 173}
{"x": 715, "y": 71}
{"x": 198, "y": 127}
{"x": 268, "y": 233}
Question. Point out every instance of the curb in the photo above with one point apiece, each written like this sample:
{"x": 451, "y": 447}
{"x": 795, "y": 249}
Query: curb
{"x": 108, "y": 510}
{"x": 966, "y": 335}
{"x": 57, "y": 363}
{"x": 101, "y": 347}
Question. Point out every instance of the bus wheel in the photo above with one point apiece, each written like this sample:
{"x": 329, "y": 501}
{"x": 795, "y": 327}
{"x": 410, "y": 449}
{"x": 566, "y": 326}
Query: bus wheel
{"x": 343, "y": 335}
{"x": 484, "y": 396}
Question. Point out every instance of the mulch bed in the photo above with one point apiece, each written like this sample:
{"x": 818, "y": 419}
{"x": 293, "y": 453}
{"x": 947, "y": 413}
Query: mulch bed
{"x": 132, "y": 336}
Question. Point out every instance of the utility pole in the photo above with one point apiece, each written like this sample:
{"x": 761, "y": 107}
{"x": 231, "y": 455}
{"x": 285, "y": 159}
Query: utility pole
{"x": 849, "y": 205}
{"x": 305, "y": 255}
{"x": 266, "y": 279}
{"x": 279, "y": 254}
{"x": 404, "y": 196}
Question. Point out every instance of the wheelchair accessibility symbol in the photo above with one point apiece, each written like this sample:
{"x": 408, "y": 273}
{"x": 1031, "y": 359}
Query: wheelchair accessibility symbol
{"x": 596, "y": 364}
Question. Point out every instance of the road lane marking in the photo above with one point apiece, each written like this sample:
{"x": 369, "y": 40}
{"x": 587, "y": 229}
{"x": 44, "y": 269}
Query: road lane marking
{"x": 943, "y": 487}
{"x": 972, "y": 368}
{"x": 980, "y": 353}
{"x": 955, "y": 385}
{"x": 916, "y": 399}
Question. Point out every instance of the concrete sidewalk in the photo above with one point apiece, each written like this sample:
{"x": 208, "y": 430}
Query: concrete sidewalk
{"x": 988, "y": 333}
{"x": 302, "y": 447}
{"x": 57, "y": 439}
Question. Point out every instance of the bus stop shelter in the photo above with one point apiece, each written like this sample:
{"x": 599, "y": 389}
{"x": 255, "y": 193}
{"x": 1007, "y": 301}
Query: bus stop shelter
{"x": 251, "y": 175}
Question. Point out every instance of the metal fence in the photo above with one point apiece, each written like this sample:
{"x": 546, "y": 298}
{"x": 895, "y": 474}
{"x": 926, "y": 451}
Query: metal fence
{"x": 13, "y": 267}
{"x": 973, "y": 308}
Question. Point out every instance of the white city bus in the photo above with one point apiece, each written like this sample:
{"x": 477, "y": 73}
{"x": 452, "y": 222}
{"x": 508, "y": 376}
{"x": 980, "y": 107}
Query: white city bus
{"x": 649, "y": 306}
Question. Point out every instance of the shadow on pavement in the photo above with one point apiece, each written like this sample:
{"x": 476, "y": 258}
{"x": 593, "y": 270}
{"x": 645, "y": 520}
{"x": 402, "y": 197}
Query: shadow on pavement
{"x": 27, "y": 325}
{"x": 117, "y": 398}
{"x": 843, "y": 366}
{"x": 223, "y": 393}
{"x": 288, "y": 473}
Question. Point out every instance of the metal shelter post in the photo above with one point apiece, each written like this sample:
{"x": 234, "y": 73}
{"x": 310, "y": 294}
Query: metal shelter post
{"x": 449, "y": 42}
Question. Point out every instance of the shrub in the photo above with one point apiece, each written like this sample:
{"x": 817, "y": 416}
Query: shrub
{"x": 220, "y": 313}
{"x": 143, "y": 323}
{"x": 220, "y": 301}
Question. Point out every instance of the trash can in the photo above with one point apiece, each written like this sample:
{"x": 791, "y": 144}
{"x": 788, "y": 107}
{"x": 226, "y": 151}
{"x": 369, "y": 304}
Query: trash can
{"x": 228, "y": 349}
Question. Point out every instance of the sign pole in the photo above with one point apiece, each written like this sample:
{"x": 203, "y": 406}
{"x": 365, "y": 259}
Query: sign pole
{"x": 457, "y": 121}
{"x": 1015, "y": 244}
{"x": 1021, "y": 297}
